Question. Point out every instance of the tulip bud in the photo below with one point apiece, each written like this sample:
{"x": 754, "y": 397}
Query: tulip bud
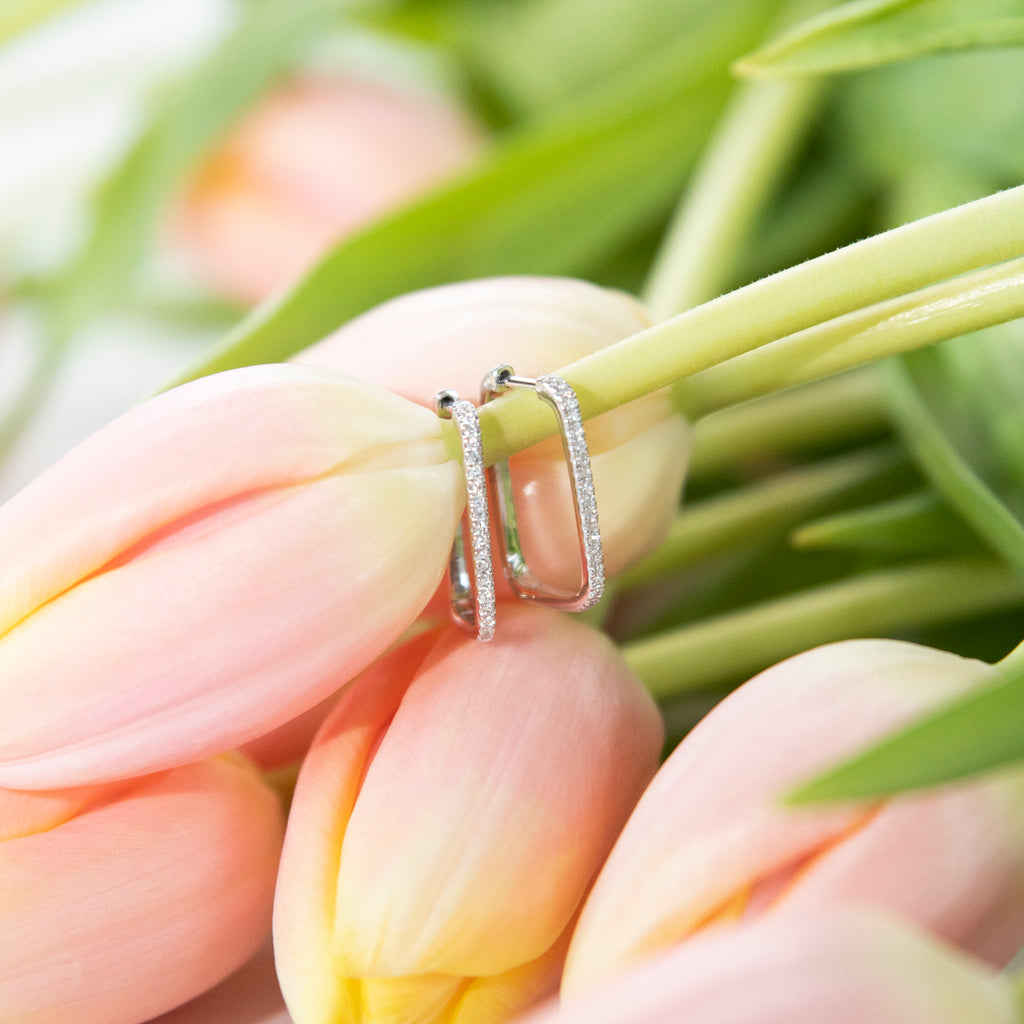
{"x": 844, "y": 967}
{"x": 211, "y": 564}
{"x": 122, "y": 901}
{"x": 711, "y": 839}
{"x": 450, "y": 337}
{"x": 449, "y": 817}
{"x": 309, "y": 166}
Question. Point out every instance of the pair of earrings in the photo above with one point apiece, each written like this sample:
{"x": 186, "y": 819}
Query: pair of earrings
{"x": 472, "y": 589}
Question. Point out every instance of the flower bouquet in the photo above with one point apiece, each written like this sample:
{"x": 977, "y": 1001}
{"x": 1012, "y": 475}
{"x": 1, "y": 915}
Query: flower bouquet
{"x": 513, "y": 512}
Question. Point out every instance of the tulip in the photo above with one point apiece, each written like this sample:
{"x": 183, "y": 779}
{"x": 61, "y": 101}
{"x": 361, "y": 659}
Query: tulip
{"x": 310, "y": 165}
{"x": 249, "y": 996}
{"x": 448, "y": 819}
{"x": 211, "y": 564}
{"x": 449, "y": 337}
{"x": 122, "y": 901}
{"x": 844, "y": 967}
{"x": 711, "y": 839}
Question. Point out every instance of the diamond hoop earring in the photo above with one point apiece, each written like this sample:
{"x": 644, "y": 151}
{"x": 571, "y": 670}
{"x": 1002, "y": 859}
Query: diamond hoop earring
{"x": 471, "y": 585}
{"x": 561, "y": 397}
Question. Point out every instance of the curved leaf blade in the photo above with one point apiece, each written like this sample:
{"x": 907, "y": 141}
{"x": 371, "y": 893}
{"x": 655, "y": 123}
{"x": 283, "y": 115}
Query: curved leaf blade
{"x": 978, "y": 732}
{"x": 925, "y": 415}
{"x": 868, "y": 33}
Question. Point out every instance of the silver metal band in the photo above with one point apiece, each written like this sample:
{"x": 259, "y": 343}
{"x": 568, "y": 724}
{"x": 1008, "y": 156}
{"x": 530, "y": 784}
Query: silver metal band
{"x": 472, "y": 583}
{"x": 561, "y": 397}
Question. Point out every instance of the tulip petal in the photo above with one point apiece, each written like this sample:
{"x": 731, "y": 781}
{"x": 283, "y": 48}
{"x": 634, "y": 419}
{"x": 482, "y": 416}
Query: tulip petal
{"x": 328, "y": 786}
{"x": 449, "y": 818}
{"x": 489, "y": 762}
{"x": 140, "y": 903}
{"x": 844, "y": 967}
{"x": 210, "y": 629}
{"x": 317, "y": 160}
{"x": 711, "y": 828}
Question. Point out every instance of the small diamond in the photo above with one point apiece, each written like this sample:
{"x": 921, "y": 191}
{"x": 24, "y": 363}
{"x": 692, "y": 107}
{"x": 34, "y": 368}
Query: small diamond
{"x": 472, "y": 606}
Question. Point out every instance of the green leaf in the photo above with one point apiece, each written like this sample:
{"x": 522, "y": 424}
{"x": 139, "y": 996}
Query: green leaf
{"x": 723, "y": 649}
{"x": 987, "y": 370}
{"x": 540, "y": 52}
{"x": 977, "y": 732}
{"x": 914, "y": 524}
{"x": 935, "y": 132}
{"x": 867, "y": 33}
{"x": 713, "y": 526}
{"x": 551, "y": 200}
{"x": 943, "y": 436}
{"x": 129, "y": 204}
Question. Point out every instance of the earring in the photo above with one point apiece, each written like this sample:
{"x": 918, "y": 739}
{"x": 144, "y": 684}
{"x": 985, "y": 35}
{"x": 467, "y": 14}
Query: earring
{"x": 561, "y": 397}
{"x": 472, "y": 595}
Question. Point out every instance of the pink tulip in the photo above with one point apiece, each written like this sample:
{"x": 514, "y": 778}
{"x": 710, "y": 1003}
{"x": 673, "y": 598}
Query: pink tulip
{"x": 449, "y": 337}
{"x": 449, "y": 818}
{"x": 309, "y": 166}
{"x": 838, "y": 967}
{"x": 211, "y": 564}
{"x": 710, "y": 840}
{"x": 249, "y": 996}
{"x": 125, "y": 900}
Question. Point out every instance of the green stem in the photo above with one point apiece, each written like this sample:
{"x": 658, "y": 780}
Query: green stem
{"x": 912, "y": 524}
{"x": 715, "y": 525}
{"x": 1016, "y": 981}
{"x": 831, "y": 412}
{"x": 969, "y": 303}
{"x": 742, "y": 166}
{"x": 727, "y": 647}
{"x": 874, "y": 270}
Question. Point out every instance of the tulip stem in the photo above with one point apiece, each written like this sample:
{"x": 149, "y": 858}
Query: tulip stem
{"x": 715, "y": 525}
{"x": 722, "y": 650}
{"x": 741, "y": 167}
{"x": 875, "y": 270}
{"x": 832, "y": 412}
{"x": 969, "y": 303}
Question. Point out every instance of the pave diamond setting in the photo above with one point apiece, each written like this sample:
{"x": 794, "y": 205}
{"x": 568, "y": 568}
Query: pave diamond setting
{"x": 561, "y": 397}
{"x": 473, "y": 600}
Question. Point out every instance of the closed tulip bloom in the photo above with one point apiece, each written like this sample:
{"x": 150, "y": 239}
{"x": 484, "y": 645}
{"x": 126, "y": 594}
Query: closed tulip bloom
{"x": 839, "y": 967}
{"x": 122, "y": 901}
{"x": 211, "y": 564}
{"x": 310, "y": 165}
{"x": 448, "y": 819}
{"x": 711, "y": 839}
{"x": 451, "y": 336}
{"x": 250, "y": 995}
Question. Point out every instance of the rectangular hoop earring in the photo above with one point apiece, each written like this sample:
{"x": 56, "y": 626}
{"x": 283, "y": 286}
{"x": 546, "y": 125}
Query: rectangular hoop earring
{"x": 561, "y": 397}
{"x": 472, "y": 606}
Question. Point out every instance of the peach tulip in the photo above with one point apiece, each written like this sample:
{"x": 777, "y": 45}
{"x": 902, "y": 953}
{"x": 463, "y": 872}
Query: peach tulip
{"x": 249, "y": 996}
{"x": 311, "y": 164}
{"x": 210, "y": 565}
{"x": 448, "y": 820}
{"x": 449, "y": 337}
{"x": 711, "y": 839}
{"x": 122, "y": 901}
{"x": 840, "y": 967}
